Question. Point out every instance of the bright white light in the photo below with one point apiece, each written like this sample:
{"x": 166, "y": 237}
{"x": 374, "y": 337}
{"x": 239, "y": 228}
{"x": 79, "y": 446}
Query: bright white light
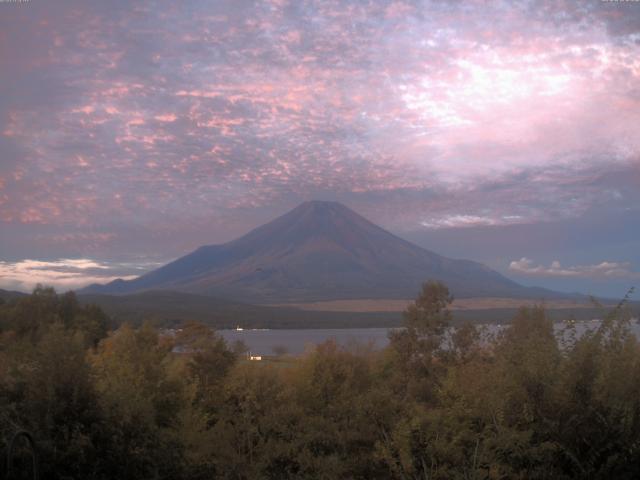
{"x": 65, "y": 273}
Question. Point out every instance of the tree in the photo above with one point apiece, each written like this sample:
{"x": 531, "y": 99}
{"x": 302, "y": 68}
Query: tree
{"x": 339, "y": 427}
{"x": 209, "y": 358}
{"x": 47, "y": 390}
{"x": 415, "y": 347}
{"x": 142, "y": 404}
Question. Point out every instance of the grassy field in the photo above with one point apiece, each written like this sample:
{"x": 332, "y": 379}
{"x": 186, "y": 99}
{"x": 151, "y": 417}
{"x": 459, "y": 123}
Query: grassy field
{"x": 168, "y": 309}
{"x": 395, "y": 305}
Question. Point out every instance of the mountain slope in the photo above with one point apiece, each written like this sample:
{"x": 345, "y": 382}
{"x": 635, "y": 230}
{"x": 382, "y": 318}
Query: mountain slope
{"x": 8, "y": 295}
{"x": 319, "y": 251}
{"x": 167, "y": 308}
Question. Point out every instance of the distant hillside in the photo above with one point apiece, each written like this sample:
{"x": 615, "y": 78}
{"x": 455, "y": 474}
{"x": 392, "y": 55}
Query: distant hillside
{"x": 8, "y": 295}
{"x": 165, "y": 308}
{"x": 320, "y": 251}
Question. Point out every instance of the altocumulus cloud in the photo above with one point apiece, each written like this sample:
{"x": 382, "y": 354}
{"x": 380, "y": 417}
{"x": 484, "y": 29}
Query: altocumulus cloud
{"x": 601, "y": 270}
{"x": 62, "y": 273}
{"x": 155, "y": 111}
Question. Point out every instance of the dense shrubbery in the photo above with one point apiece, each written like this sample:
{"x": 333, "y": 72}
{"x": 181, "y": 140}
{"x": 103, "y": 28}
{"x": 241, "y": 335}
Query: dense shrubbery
{"x": 436, "y": 404}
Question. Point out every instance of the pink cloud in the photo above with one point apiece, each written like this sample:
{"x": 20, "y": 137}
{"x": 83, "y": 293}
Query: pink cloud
{"x": 605, "y": 269}
{"x": 334, "y": 99}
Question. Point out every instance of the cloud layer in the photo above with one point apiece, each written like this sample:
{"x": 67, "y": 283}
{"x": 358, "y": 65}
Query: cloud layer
{"x": 138, "y": 123}
{"x": 64, "y": 273}
{"x": 605, "y": 270}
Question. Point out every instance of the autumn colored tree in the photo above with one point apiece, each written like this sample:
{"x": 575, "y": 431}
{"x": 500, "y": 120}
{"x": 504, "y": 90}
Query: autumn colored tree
{"x": 442, "y": 401}
{"x": 414, "y": 366}
{"x": 141, "y": 404}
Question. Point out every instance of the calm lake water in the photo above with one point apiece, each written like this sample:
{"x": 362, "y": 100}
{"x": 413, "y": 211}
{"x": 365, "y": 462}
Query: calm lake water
{"x": 263, "y": 342}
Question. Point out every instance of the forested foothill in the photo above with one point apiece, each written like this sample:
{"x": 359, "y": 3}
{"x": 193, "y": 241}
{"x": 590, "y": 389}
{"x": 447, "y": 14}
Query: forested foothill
{"x": 106, "y": 401}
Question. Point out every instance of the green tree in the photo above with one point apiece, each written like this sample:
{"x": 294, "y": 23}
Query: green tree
{"x": 209, "y": 358}
{"x": 46, "y": 389}
{"x": 415, "y": 347}
{"x": 142, "y": 404}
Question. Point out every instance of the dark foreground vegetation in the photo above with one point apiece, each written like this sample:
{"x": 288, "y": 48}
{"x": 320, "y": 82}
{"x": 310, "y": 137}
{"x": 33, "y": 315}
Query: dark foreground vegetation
{"x": 107, "y": 403}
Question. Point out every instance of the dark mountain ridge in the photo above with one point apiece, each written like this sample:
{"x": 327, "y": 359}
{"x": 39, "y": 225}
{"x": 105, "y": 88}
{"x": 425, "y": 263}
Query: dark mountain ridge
{"x": 320, "y": 251}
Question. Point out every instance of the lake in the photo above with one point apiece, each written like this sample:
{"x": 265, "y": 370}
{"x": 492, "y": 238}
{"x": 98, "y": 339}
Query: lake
{"x": 295, "y": 341}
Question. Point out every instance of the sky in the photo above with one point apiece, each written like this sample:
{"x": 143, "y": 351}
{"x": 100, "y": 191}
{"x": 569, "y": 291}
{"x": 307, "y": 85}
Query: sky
{"x": 506, "y": 132}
